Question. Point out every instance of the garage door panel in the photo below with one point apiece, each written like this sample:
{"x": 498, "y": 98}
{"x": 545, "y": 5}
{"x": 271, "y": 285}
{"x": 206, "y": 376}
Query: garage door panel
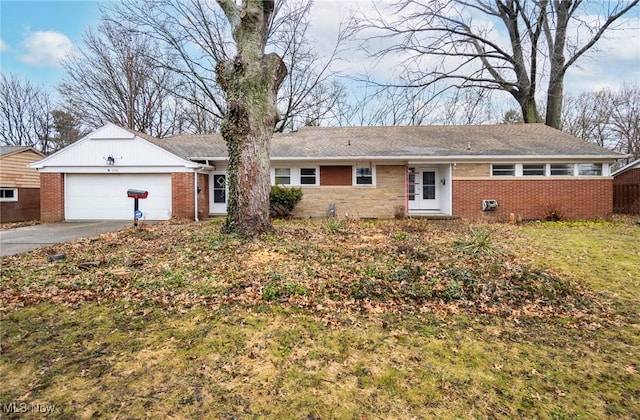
{"x": 104, "y": 196}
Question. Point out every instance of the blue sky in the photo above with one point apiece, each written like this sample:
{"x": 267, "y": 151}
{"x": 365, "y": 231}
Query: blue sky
{"x": 36, "y": 34}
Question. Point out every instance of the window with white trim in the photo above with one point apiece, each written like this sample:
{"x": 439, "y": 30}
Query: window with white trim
{"x": 590, "y": 169}
{"x": 561, "y": 169}
{"x": 307, "y": 176}
{"x": 364, "y": 175}
{"x": 283, "y": 176}
{"x": 8, "y": 194}
{"x": 503, "y": 170}
{"x": 536, "y": 169}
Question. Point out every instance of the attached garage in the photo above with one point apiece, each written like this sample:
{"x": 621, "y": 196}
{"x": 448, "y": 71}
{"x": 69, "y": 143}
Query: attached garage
{"x": 89, "y": 179}
{"x": 104, "y": 196}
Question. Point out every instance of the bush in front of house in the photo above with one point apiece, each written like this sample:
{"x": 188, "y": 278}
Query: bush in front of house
{"x": 283, "y": 200}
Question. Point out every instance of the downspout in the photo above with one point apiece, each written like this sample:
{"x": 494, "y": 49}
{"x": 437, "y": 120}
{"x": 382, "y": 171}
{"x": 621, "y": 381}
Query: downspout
{"x": 195, "y": 192}
{"x": 406, "y": 190}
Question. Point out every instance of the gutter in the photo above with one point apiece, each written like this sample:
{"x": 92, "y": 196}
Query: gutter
{"x": 195, "y": 192}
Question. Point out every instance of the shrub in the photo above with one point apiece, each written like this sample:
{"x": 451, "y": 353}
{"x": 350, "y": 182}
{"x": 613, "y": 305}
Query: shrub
{"x": 477, "y": 241}
{"x": 283, "y": 200}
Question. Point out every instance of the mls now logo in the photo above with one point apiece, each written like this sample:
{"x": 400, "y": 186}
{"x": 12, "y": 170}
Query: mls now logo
{"x": 22, "y": 407}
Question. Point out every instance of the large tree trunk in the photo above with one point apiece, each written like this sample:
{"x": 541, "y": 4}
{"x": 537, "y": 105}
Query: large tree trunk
{"x": 251, "y": 81}
{"x": 555, "y": 90}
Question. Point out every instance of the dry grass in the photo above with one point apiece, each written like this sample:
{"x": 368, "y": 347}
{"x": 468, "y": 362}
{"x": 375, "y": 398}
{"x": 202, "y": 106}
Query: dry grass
{"x": 216, "y": 327}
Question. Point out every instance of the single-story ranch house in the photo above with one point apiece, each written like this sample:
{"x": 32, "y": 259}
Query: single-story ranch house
{"x": 479, "y": 172}
{"x": 19, "y": 185}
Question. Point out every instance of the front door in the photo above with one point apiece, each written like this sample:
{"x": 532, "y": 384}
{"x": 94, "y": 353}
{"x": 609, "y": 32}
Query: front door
{"x": 220, "y": 192}
{"x": 423, "y": 189}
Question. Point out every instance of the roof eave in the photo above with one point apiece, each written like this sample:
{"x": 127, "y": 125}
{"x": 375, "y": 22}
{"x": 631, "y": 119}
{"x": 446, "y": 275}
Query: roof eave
{"x": 453, "y": 158}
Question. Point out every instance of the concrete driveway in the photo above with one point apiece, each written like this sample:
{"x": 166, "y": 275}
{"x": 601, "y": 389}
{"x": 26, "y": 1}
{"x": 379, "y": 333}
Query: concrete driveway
{"x": 23, "y": 239}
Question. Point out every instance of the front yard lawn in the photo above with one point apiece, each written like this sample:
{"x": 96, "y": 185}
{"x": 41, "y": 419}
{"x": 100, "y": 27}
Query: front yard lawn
{"x": 327, "y": 319}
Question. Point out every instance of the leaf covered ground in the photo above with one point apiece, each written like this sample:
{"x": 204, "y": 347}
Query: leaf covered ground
{"x": 323, "y": 267}
{"x": 327, "y": 319}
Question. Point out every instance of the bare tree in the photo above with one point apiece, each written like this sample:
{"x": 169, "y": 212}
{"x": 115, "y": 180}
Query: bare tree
{"x": 112, "y": 79}
{"x": 625, "y": 120}
{"x": 457, "y": 41}
{"x": 588, "y": 115}
{"x": 251, "y": 81}
{"x": 25, "y": 115}
{"x": 608, "y": 118}
{"x": 309, "y": 92}
{"x": 204, "y": 41}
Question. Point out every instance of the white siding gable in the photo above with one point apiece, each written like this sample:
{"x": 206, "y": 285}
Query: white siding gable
{"x": 131, "y": 154}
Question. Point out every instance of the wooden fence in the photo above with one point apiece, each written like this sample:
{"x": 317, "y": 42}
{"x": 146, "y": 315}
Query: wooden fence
{"x": 626, "y": 198}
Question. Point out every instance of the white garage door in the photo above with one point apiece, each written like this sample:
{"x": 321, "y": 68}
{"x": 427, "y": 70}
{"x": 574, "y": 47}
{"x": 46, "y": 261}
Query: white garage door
{"x": 104, "y": 196}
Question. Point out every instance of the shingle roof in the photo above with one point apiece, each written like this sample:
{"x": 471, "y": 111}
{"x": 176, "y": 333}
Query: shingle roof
{"x": 504, "y": 140}
{"x": 8, "y": 150}
{"x": 633, "y": 165}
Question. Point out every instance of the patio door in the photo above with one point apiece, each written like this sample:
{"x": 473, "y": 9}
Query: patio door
{"x": 423, "y": 189}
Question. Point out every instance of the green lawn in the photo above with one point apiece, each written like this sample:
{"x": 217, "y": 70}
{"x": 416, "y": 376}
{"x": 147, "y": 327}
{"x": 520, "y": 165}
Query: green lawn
{"x": 394, "y": 319}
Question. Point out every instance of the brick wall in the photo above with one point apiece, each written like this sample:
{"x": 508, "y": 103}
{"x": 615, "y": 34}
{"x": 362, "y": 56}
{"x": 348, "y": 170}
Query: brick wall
{"x": 203, "y": 196}
{"x": 51, "y": 197}
{"x": 182, "y": 195}
{"x": 26, "y": 208}
{"x": 534, "y": 199}
{"x": 382, "y": 201}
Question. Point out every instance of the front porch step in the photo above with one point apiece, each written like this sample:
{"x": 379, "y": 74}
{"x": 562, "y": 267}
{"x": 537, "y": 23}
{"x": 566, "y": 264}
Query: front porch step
{"x": 433, "y": 216}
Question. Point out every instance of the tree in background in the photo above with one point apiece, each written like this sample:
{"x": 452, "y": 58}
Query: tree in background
{"x": 112, "y": 79}
{"x": 608, "y": 118}
{"x": 309, "y": 93}
{"x": 457, "y": 42}
{"x": 26, "y": 118}
{"x": 67, "y": 129}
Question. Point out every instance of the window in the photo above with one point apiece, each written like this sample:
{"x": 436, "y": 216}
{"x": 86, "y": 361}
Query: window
{"x": 503, "y": 170}
{"x": 428, "y": 185}
{"x": 283, "y": 176}
{"x": 590, "y": 169}
{"x": 219, "y": 189}
{"x": 533, "y": 170}
{"x": 336, "y": 175}
{"x": 412, "y": 184}
{"x": 308, "y": 176}
{"x": 364, "y": 176}
{"x": 8, "y": 194}
{"x": 562, "y": 169}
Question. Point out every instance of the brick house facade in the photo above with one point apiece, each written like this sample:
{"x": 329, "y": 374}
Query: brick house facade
{"x": 526, "y": 170}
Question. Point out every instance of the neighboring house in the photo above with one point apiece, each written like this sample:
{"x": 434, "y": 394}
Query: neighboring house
{"x": 528, "y": 170}
{"x": 626, "y": 189}
{"x": 19, "y": 184}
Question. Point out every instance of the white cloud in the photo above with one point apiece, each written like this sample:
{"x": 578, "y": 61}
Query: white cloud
{"x": 45, "y": 48}
{"x": 3, "y": 46}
